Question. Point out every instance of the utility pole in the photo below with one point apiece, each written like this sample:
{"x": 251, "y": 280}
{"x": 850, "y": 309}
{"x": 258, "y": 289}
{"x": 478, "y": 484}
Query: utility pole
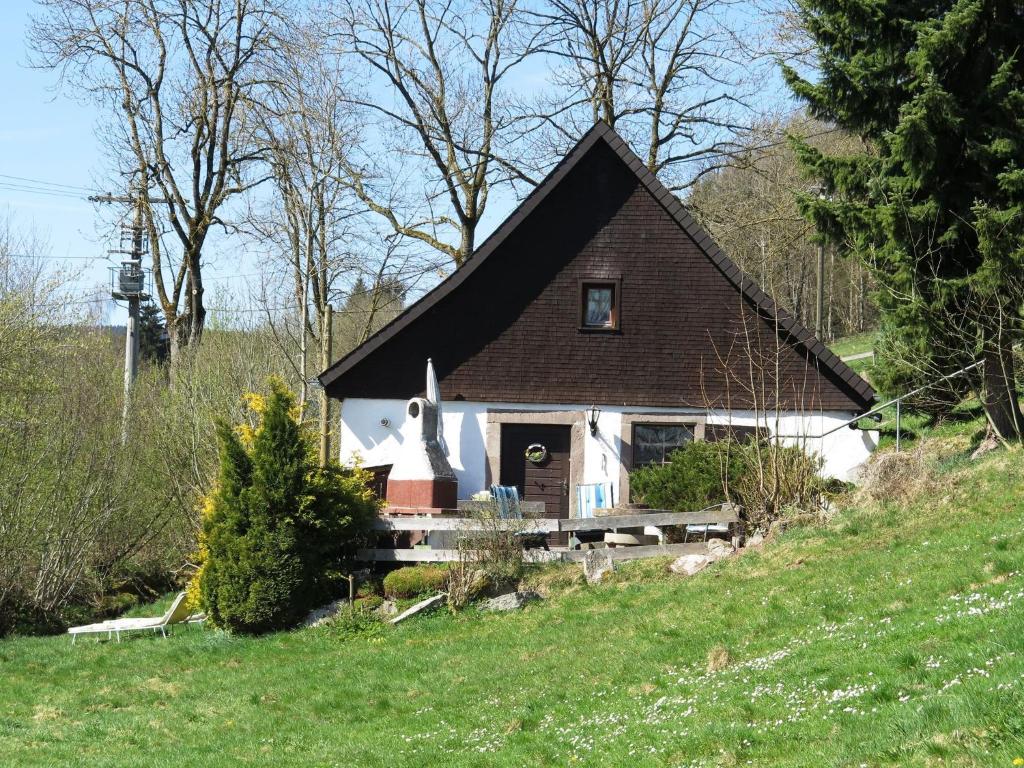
{"x": 326, "y": 346}
{"x": 819, "y": 313}
{"x": 303, "y": 319}
{"x": 128, "y": 283}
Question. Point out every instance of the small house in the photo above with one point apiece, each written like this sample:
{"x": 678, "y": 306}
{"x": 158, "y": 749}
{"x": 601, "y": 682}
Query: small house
{"x": 596, "y": 330}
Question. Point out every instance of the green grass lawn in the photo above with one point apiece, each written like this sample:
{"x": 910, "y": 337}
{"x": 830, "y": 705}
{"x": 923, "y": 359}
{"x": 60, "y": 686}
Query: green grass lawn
{"x": 854, "y": 345}
{"x": 891, "y": 636}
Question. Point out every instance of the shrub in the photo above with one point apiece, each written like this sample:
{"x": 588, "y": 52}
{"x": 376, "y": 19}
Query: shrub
{"x": 695, "y": 477}
{"x": 360, "y": 623}
{"x": 766, "y": 479}
{"x": 904, "y": 363}
{"x": 466, "y": 583}
{"x": 775, "y": 481}
{"x": 371, "y": 587}
{"x": 490, "y": 557}
{"x": 370, "y": 602}
{"x": 415, "y": 580}
{"x": 277, "y": 531}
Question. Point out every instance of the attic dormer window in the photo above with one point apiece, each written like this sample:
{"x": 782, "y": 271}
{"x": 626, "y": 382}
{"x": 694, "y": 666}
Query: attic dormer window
{"x": 599, "y": 305}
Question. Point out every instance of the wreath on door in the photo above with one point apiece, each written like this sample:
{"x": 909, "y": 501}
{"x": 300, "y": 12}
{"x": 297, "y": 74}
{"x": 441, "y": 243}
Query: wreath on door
{"x": 535, "y": 453}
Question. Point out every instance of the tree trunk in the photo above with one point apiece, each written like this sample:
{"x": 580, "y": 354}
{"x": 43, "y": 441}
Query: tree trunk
{"x": 194, "y": 306}
{"x": 467, "y": 242}
{"x": 171, "y": 323}
{"x": 1000, "y": 390}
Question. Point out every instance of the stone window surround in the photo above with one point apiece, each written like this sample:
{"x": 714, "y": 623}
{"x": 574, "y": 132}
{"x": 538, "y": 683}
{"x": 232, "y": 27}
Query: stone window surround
{"x": 575, "y": 419}
{"x": 693, "y": 421}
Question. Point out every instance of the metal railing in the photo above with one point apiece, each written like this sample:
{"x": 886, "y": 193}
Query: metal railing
{"x": 898, "y": 401}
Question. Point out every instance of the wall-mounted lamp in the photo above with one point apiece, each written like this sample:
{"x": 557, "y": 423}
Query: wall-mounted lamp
{"x": 875, "y": 417}
{"x": 595, "y": 413}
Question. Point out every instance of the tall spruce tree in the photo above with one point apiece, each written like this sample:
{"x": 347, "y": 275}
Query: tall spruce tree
{"x": 937, "y": 88}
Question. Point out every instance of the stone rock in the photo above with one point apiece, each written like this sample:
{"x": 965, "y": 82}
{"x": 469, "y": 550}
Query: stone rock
{"x": 510, "y": 602}
{"x": 480, "y": 584}
{"x": 687, "y": 565}
{"x": 986, "y": 446}
{"x": 719, "y": 548}
{"x": 756, "y": 540}
{"x": 324, "y": 614}
{"x": 422, "y": 605}
{"x": 596, "y": 563}
{"x": 388, "y": 608}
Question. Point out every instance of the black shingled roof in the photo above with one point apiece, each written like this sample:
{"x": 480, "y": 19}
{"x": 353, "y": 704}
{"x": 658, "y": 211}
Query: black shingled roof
{"x": 602, "y": 132}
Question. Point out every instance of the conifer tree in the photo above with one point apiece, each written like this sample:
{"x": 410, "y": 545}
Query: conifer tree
{"x": 937, "y": 89}
{"x": 154, "y": 343}
{"x": 278, "y": 530}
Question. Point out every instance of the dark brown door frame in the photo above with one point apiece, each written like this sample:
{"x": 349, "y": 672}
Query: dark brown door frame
{"x": 577, "y": 420}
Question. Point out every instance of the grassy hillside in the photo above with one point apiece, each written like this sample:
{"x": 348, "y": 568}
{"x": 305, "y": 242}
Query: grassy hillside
{"x": 857, "y": 344}
{"x": 854, "y": 345}
{"x": 890, "y": 636}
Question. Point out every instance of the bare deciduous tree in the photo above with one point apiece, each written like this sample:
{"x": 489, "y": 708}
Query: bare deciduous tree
{"x": 179, "y": 79}
{"x": 305, "y": 134}
{"x": 670, "y": 75}
{"x": 751, "y": 210}
{"x": 435, "y": 108}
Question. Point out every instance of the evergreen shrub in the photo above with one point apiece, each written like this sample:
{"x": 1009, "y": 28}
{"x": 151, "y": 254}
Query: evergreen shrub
{"x": 277, "y": 531}
{"x": 694, "y": 477}
{"x": 765, "y": 479}
{"x": 905, "y": 361}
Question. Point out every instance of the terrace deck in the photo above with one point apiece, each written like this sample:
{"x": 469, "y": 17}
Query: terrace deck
{"x": 726, "y": 514}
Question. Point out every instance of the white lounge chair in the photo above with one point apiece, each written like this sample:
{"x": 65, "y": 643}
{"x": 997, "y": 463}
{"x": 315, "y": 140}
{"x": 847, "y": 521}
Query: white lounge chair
{"x": 112, "y": 628}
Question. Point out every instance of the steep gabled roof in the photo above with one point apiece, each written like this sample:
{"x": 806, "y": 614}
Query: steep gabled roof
{"x": 671, "y": 204}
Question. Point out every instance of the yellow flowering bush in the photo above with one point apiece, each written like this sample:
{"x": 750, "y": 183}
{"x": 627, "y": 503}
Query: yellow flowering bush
{"x": 277, "y": 531}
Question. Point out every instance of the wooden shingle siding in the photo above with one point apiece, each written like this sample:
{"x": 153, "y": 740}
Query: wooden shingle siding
{"x": 507, "y": 329}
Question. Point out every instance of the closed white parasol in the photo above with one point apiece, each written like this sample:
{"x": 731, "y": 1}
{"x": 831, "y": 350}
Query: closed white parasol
{"x": 434, "y": 396}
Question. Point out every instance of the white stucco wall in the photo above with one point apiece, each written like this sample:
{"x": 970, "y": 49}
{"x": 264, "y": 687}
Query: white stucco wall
{"x": 363, "y": 437}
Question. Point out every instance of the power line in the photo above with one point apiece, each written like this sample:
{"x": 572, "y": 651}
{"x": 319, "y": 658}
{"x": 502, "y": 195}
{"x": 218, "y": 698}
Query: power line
{"x": 41, "y": 182}
{"x": 215, "y": 278}
{"x": 68, "y": 303}
{"x": 53, "y": 258}
{"x": 293, "y": 307}
{"x": 7, "y": 187}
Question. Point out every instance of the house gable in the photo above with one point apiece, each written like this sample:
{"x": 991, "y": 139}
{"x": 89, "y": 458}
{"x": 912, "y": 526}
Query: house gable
{"x": 505, "y": 327}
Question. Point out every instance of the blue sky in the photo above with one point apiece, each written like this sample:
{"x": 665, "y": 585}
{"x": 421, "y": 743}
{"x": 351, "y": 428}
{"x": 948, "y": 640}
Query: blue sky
{"x": 50, "y": 137}
{"x": 47, "y": 136}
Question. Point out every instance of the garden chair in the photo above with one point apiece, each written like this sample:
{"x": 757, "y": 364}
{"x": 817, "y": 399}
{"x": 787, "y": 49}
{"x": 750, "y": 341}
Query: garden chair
{"x": 591, "y": 496}
{"x": 506, "y": 498}
{"x": 704, "y": 530}
{"x": 112, "y": 628}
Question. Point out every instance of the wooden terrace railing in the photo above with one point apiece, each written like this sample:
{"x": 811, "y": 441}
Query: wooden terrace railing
{"x": 726, "y": 514}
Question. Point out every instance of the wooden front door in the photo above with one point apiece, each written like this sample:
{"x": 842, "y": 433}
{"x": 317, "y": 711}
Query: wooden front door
{"x": 547, "y": 480}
